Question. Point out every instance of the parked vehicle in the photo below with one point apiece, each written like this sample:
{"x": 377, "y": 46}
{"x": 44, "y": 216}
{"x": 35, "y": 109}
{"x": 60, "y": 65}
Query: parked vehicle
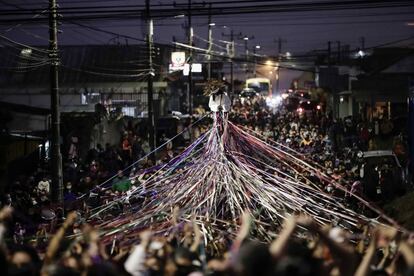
{"x": 248, "y": 93}
{"x": 260, "y": 85}
{"x": 382, "y": 175}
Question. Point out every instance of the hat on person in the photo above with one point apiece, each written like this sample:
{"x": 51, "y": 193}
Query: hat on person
{"x": 213, "y": 87}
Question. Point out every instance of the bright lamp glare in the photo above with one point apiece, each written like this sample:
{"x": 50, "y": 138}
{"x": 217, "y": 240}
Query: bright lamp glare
{"x": 273, "y": 102}
{"x": 278, "y": 98}
{"x": 26, "y": 52}
{"x": 361, "y": 53}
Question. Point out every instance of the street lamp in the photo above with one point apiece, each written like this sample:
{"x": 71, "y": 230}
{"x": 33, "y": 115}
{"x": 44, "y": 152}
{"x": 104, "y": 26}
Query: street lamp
{"x": 245, "y": 38}
{"x": 257, "y": 47}
{"x": 361, "y": 53}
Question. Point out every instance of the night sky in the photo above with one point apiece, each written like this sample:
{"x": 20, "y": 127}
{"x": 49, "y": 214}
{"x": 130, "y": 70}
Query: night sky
{"x": 300, "y": 31}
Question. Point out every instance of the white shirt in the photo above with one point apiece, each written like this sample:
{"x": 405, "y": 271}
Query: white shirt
{"x": 217, "y": 101}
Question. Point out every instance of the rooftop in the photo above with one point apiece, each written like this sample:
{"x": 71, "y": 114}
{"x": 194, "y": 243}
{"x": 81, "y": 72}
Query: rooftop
{"x": 79, "y": 64}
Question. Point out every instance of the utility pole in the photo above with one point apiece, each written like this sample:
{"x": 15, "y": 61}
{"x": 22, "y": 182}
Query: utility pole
{"x": 331, "y": 82}
{"x": 231, "y": 54}
{"x": 255, "y": 60}
{"x": 279, "y": 41}
{"x": 338, "y": 54}
{"x": 150, "y": 92}
{"x": 329, "y": 52}
{"x": 231, "y": 63}
{"x": 245, "y": 38}
{"x": 210, "y": 42}
{"x": 190, "y": 58}
{"x": 362, "y": 43}
{"x": 410, "y": 124}
{"x": 190, "y": 61}
{"x": 57, "y": 179}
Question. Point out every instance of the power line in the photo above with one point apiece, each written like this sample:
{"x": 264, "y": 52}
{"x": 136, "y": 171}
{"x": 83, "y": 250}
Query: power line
{"x": 282, "y": 17}
{"x": 24, "y": 45}
{"x": 218, "y": 11}
{"x": 222, "y": 5}
{"x": 82, "y": 70}
{"x": 218, "y": 55}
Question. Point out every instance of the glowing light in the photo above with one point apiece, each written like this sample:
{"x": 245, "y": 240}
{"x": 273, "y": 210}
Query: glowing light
{"x": 300, "y": 110}
{"x": 318, "y": 107}
{"x": 285, "y": 95}
{"x": 212, "y": 24}
{"x": 273, "y": 101}
{"x": 361, "y": 53}
{"x": 26, "y": 51}
{"x": 269, "y": 62}
{"x": 257, "y": 46}
{"x": 341, "y": 99}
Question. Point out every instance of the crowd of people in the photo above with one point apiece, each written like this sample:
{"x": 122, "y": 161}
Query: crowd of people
{"x": 336, "y": 144}
{"x": 302, "y": 247}
{"x": 107, "y": 172}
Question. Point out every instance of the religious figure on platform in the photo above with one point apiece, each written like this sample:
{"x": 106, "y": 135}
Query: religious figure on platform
{"x": 219, "y": 100}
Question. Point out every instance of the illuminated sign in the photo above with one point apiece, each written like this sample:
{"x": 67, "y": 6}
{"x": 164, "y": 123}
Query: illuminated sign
{"x": 195, "y": 68}
{"x": 177, "y": 61}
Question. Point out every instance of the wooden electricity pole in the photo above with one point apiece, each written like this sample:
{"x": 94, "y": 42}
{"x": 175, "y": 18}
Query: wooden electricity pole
{"x": 56, "y": 158}
{"x": 151, "y": 74}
